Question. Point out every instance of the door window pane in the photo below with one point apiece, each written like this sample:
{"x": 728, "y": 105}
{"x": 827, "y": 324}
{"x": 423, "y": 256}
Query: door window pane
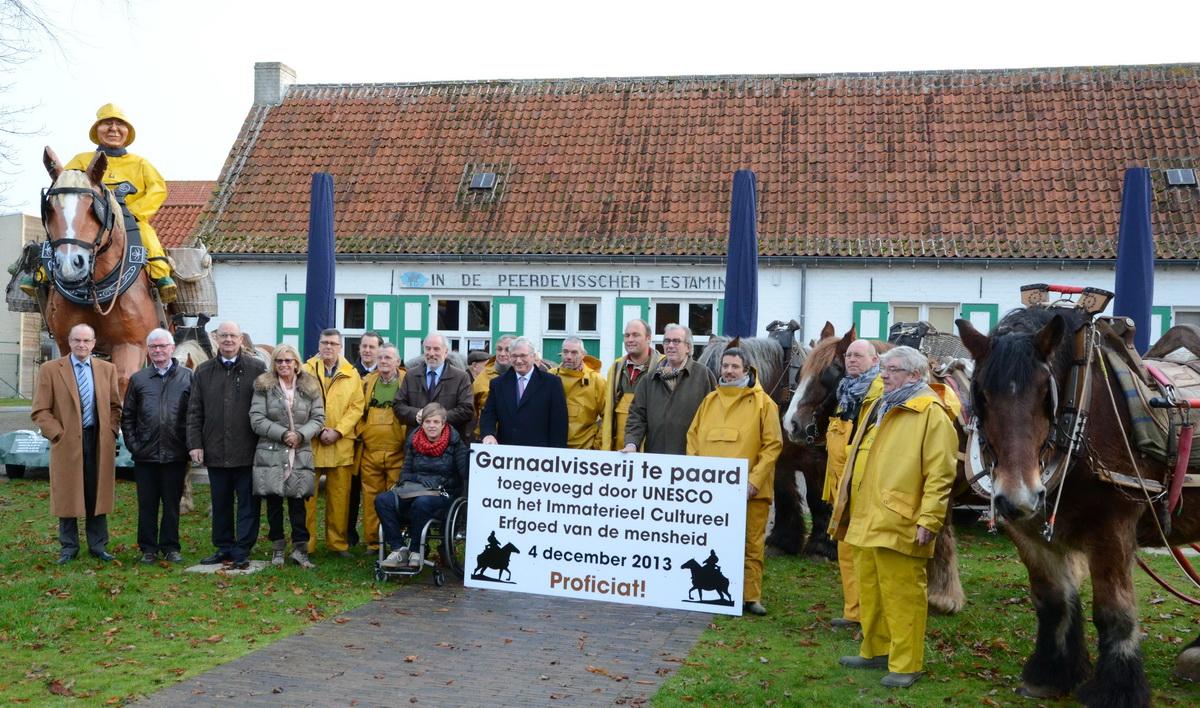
{"x": 665, "y": 313}
{"x": 354, "y": 313}
{"x": 700, "y": 318}
{"x": 447, "y": 315}
{"x": 942, "y": 318}
{"x": 479, "y": 315}
{"x": 556, "y": 319}
{"x": 1191, "y": 317}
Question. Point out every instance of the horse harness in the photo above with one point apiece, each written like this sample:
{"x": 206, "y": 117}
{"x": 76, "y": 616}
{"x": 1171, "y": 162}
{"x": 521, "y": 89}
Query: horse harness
{"x": 87, "y": 290}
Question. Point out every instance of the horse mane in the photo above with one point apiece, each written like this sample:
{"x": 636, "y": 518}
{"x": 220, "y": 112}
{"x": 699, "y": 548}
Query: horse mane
{"x": 1012, "y": 354}
{"x": 79, "y": 178}
{"x": 190, "y": 349}
{"x": 763, "y": 353}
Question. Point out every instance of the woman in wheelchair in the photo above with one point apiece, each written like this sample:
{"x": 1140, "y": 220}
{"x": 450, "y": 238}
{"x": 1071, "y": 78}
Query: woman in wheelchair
{"x": 436, "y": 465}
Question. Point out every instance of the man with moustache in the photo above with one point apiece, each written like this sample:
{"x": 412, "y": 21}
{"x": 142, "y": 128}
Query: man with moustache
{"x": 435, "y": 381}
{"x": 381, "y": 438}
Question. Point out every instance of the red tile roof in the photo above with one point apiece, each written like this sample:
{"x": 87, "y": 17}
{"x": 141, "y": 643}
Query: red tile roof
{"x": 976, "y": 164}
{"x": 177, "y": 217}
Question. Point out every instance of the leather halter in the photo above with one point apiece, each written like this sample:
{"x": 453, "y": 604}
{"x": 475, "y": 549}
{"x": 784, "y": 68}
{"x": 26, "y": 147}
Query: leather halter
{"x": 100, "y": 208}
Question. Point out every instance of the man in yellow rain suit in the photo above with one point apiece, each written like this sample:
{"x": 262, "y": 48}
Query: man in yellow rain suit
{"x": 860, "y": 387}
{"x": 740, "y": 420}
{"x": 333, "y": 448}
{"x": 138, "y": 186}
{"x": 640, "y": 358}
{"x": 482, "y": 384}
{"x": 381, "y": 438}
{"x": 584, "y": 388}
{"x": 901, "y": 468}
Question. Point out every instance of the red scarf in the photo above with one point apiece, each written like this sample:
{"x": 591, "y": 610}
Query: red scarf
{"x": 422, "y": 444}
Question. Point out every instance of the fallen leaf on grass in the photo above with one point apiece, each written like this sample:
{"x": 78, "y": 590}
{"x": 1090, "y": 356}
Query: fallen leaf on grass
{"x": 59, "y": 688}
{"x": 340, "y": 620}
{"x": 214, "y": 638}
{"x": 410, "y": 658}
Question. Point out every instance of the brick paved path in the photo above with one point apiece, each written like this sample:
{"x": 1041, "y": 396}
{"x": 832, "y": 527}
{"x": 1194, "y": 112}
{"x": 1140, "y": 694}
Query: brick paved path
{"x": 471, "y": 648}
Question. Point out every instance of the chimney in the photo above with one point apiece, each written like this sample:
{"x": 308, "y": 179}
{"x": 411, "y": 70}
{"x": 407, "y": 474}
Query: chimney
{"x": 271, "y": 82}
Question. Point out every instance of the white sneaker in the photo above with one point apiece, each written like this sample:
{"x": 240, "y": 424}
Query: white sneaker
{"x": 415, "y": 559}
{"x": 395, "y": 559}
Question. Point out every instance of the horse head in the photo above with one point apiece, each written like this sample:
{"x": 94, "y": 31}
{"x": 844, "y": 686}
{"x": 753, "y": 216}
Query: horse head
{"x": 1019, "y": 370}
{"x": 78, "y": 214}
{"x": 816, "y": 391}
{"x": 691, "y": 565}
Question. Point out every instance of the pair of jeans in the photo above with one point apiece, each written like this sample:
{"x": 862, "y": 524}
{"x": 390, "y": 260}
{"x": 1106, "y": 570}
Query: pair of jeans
{"x": 227, "y": 486}
{"x": 396, "y": 513}
{"x": 159, "y": 484}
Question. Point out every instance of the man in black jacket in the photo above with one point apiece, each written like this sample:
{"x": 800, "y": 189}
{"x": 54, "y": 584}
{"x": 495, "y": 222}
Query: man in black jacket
{"x": 525, "y": 405}
{"x": 435, "y": 381}
{"x": 154, "y": 426}
{"x": 219, "y": 436}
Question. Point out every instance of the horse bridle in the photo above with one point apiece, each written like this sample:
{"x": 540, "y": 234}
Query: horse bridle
{"x": 829, "y": 377}
{"x": 101, "y": 209}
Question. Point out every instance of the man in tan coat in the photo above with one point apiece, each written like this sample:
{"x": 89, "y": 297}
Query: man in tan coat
{"x": 333, "y": 448}
{"x": 77, "y": 406}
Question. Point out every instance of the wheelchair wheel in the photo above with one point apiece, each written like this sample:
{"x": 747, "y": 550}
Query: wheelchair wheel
{"x": 439, "y": 579}
{"x": 454, "y": 541}
{"x": 379, "y": 574}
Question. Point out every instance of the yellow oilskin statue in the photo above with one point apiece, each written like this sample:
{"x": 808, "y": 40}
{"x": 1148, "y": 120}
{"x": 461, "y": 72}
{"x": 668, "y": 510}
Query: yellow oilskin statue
{"x": 136, "y": 183}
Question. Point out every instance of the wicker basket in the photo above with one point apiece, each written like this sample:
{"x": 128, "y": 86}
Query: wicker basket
{"x": 197, "y": 290}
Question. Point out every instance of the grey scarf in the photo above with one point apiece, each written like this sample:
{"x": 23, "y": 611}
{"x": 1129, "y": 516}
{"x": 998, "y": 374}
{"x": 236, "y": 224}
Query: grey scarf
{"x": 851, "y": 390}
{"x": 897, "y": 397}
{"x": 740, "y": 383}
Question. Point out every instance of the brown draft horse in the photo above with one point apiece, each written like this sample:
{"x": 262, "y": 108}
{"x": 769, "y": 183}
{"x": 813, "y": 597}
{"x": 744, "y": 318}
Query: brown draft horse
{"x": 768, "y": 359}
{"x": 83, "y": 223}
{"x": 1020, "y": 376}
{"x": 804, "y": 424}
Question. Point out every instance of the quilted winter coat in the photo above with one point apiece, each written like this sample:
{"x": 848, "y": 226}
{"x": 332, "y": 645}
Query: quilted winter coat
{"x": 269, "y": 419}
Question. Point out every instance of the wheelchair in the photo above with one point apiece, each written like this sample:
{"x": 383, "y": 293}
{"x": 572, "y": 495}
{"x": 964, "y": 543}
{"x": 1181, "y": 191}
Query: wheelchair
{"x": 450, "y": 533}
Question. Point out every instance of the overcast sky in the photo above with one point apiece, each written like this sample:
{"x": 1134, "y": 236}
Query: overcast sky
{"x": 183, "y": 70}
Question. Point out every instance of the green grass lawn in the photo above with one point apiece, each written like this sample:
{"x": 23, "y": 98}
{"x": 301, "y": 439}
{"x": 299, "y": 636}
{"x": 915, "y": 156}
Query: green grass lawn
{"x": 973, "y": 658}
{"x": 96, "y": 633}
{"x": 4, "y": 402}
{"x": 108, "y": 633}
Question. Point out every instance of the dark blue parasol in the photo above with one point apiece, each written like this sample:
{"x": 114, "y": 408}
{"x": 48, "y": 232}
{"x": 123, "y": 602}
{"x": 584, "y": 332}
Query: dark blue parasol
{"x": 741, "y": 265}
{"x": 318, "y": 299}
{"x": 1135, "y": 256}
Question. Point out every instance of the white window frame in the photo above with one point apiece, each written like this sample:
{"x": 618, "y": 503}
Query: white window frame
{"x": 463, "y": 339}
{"x": 350, "y": 335}
{"x": 572, "y": 329}
{"x": 923, "y": 310}
{"x": 699, "y": 341}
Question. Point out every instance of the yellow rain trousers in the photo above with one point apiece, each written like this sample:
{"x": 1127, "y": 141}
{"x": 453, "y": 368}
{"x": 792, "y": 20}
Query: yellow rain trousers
{"x": 381, "y": 454}
{"x": 895, "y": 628}
{"x": 343, "y": 410}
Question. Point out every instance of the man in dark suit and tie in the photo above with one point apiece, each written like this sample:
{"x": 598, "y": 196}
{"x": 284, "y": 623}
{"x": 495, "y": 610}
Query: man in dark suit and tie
{"x": 525, "y": 405}
{"x": 435, "y": 381}
{"x": 77, "y": 406}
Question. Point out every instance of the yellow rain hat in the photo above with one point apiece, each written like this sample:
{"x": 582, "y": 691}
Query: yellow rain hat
{"x": 107, "y": 111}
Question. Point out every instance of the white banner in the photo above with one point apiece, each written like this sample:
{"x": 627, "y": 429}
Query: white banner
{"x": 661, "y": 530}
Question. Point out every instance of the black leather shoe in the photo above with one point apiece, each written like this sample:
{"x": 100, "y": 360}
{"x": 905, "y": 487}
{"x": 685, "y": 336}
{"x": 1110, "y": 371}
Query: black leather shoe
{"x": 104, "y": 556}
{"x": 174, "y": 557}
{"x": 215, "y": 558}
{"x": 65, "y": 557}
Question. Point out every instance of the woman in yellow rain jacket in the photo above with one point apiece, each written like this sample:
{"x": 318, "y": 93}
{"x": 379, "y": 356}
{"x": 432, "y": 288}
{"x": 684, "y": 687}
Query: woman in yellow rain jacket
{"x": 135, "y": 182}
{"x": 739, "y": 420}
{"x": 901, "y": 469}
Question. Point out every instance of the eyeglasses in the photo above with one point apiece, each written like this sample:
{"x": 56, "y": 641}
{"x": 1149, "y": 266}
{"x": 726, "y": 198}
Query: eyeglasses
{"x": 330, "y": 344}
{"x": 286, "y": 361}
{"x": 157, "y": 346}
{"x": 895, "y": 370}
{"x": 672, "y": 340}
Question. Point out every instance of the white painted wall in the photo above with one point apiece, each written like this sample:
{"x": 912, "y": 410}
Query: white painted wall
{"x": 247, "y": 290}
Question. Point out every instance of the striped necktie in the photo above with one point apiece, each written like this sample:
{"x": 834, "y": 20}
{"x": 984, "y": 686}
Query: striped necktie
{"x": 86, "y": 401}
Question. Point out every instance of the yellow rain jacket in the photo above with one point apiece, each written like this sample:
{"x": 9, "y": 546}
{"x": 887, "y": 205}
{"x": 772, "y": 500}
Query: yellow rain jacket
{"x": 343, "y": 409}
{"x": 837, "y": 437}
{"x": 585, "y": 403}
{"x": 740, "y": 422}
{"x": 616, "y": 403}
{"x": 136, "y": 170}
{"x": 901, "y": 472}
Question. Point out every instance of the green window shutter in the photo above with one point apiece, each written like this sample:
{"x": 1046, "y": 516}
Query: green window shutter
{"x": 982, "y": 316}
{"x": 508, "y": 317}
{"x": 289, "y": 320}
{"x": 871, "y": 319}
{"x": 720, "y": 323}
{"x": 1161, "y": 313}
{"x": 412, "y": 324}
{"x": 552, "y": 349}
{"x": 629, "y": 308}
{"x": 383, "y": 316}
{"x": 592, "y": 346}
